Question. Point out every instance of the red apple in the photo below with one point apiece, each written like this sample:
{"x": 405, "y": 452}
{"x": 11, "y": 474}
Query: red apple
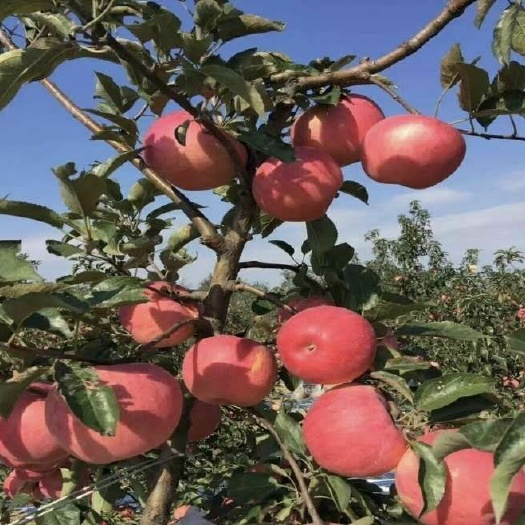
{"x": 150, "y": 401}
{"x": 349, "y": 431}
{"x": 202, "y": 163}
{"x": 327, "y": 344}
{"x": 338, "y": 130}
{"x": 147, "y": 321}
{"x": 467, "y": 498}
{"x": 225, "y": 369}
{"x": 301, "y": 190}
{"x": 415, "y": 151}
{"x": 204, "y": 420}
{"x": 25, "y": 441}
{"x": 301, "y": 303}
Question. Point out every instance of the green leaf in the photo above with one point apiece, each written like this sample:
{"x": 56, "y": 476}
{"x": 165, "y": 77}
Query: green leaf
{"x": 516, "y": 341}
{"x": 268, "y": 144}
{"x": 449, "y": 72}
{"x": 126, "y": 124}
{"x": 92, "y": 402}
{"x": 65, "y": 514}
{"x": 142, "y": 193}
{"x": 342, "y": 62}
{"x": 206, "y": 14}
{"x": 13, "y": 268}
{"x": 261, "y": 306}
{"x": 23, "y": 7}
{"x": 22, "y": 307}
{"x": 117, "y": 291}
{"x": 20, "y": 66}
{"x": 363, "y": 287}
{"x": 80, "y": 195}
{"x": 396, "y": 382}
{"x": 482, "y": 10}
{"x": 63, "y": 249}
{"x": 386, "y": 310}
{"x": 340, "y": 491}
{"x": 463, "y": 410}
{"x": 518, "y": 35}
{"x": 330, "y": 96}
{"x": 194, "y": 47}
{"x": 266, "y": 225}
{"x": 57, "y": 23}
{"x": 290, "y": 433}
{"x": 322, "y": 234}
{"x": 509, "y": 458}
{"x": 502, "y": 38}
{"x": 355, "y": 189}
{"x": 284, "y": 246}
{"x": 242, "y": 25}
{"x": 473, "y": 86}
{"x": 485, "y": 435}
{"x": 442, "y": 391}
{"x": 432, "y": 476}
{"x": 248, "y": 487}
{"x": 237, "y": 85}
{"x": 12, "y": 389}
{"x": 445, "y": 329}
{"x": 48, "y": 320}
{"x": 506, "y": 103}
{"x": 105, "y": 169}
{"x": 28, "y": 210}
{"x": 339, "y": 256}
{"x": 510, "y": 77}
{"x": 406, "y": 364}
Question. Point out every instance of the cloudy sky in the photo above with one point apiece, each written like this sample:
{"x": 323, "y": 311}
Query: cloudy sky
{"x": 481, "y": 206}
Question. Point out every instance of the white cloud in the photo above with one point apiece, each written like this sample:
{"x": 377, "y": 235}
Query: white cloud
{"x": 431, "y": 197}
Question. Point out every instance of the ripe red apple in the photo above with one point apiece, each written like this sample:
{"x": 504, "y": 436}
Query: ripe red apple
{"x": 147, "y": 321}
{"x": 150, "y": 401}
{"x": 297, "y": 191}
{"x": 415, "y": 151}
{"x": 15, "y": 484}
{"x": 349, "y": 431}
{"x": 327, "y": 345}
{"x": 25, "y": 440}
{"x": 338, "y": 130}
{"x": 229, "y": 370}
{"x": 467, "y": 499}
{"x": 202, "y": 163}
{"x": 301, "y": 303}
{"x": 204, "y": 420}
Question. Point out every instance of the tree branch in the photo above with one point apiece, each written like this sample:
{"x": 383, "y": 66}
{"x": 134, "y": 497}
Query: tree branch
{"x": 244, "y": 287}
{"x": 387, "y": 89}
{"x": 489, "y": 136}
{"x": 314, "y": 515}
{"x": 362, "y": 73}
{"x": 268, "y": 266}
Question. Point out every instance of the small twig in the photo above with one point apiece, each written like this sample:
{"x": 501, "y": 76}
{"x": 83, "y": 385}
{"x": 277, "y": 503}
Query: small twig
{"x": 400, "y": 100}
{"x": 490, "y": 136}
{"x": 172, "y": 329}
{"x": 314, "y": 515}
{"x": 514, "y": 128}
{"x": 269, "y": 266}
{"x": 99, "y": 17}
{"x": 244, "y": 287}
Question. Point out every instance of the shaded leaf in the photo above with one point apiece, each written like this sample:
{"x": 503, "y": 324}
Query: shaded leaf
{"x": 516, "y": 341}
{"x": 509, "y": 458}
{"x": 243, "y": 24}
{"x": 236, "y": 84}
{"x": 342, "y": 62}
{"x": 485, "y": 435}
{"x": 63, "y": 249}
{"x": 284, "y": 246}
{"x": 363, "y": 287}
{"x": 510, "y": 77}
{"x": 431, "y": 476}
{"x": 23, "y": 7}
{"x": 246, "y": 487}
{"x": 117, "y": 291}
{"x": 57, "y": 23}
{"x": 503, "y": 34}
{"x": 506, "y": 103}
{"x": 31, "y": 211}
{"x": 206, "y": 14}
{"x": 355, "y": 189}
{"x": 92, "y": 402}
{"x": 12, "y": 389}
{"x": 449, "y": 73}
{"x": 322, "y": 234}
{"x": 290, "y": 433}
{"x": 269, "y": 145}
{"x": 442, "y": 391}
{"x": 142, "y": 193}
{"x": 445, "y": 329}
{"x": 48, "y": 320}
{"x": 105, "y": 169}
{"x": 463, "y": 410}
{"x": 340, "y": 491}
{"x": 474, "y": 85}
{"x": 396, "y": 382}
{"x": 65, "y": 514}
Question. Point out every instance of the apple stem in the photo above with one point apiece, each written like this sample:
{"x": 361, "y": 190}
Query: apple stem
{"x": 299, "y": 476}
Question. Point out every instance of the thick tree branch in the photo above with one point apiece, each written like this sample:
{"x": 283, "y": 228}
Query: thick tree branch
{"x": 489, "y": 136}
{"x": 362, "y": 73}
{"x": 314, "y": 515}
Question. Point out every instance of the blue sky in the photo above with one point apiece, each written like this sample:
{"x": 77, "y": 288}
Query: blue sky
{"x": 481, "y": 206}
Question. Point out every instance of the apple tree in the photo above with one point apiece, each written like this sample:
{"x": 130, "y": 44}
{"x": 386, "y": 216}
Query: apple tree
{"x": 123, "y": 387}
